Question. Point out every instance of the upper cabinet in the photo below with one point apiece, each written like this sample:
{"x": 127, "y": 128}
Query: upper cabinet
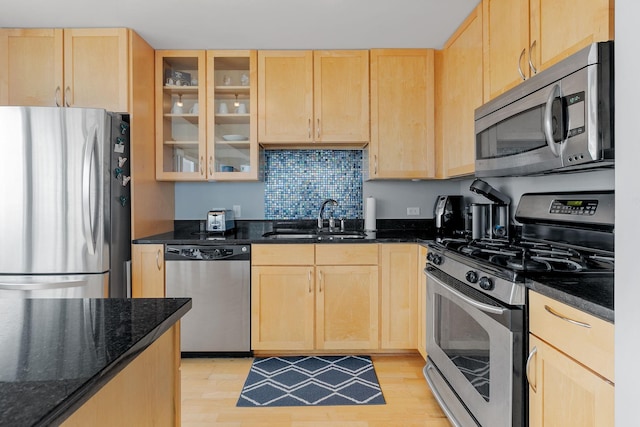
{"x": 180, "y": 115}
{"x": 459, "y": 80}
{"x": 522, "y": 37}
{"x": 313, "y": 97}
{"x": 232, "y": 111}
{"x": 561, "y": 28}
{"x": 402, "y": 114}
{"x": 71, "y": 67}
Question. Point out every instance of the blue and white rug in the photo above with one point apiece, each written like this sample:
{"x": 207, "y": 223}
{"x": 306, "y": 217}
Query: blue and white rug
{"x": 311, "y": 380}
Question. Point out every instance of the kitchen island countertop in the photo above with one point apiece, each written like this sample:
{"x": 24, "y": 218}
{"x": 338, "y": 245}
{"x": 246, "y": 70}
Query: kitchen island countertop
{"x": 57, "y": 353}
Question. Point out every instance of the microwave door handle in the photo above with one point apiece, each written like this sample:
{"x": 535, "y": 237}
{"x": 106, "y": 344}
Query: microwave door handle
{"x": 548, "y": 119}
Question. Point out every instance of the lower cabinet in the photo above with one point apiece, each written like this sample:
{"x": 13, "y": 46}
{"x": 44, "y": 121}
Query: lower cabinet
{"x": 399, "y": 308}
{"x": 422, "y": 303}
{"x": 147, "y": 271}
{"x": 145, "y": 393}
{"x": 282, "y": 307}
{"x": 563, "y": 392}
{"x": 329, "y": 303}
{"x": 570, "y": 366}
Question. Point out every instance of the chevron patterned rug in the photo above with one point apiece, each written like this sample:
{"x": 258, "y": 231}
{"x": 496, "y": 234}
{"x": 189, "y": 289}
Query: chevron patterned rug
{"x": 311, "y": 380}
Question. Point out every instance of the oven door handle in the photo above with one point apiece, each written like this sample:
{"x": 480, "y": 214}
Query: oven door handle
{"x": 480, "y": 306}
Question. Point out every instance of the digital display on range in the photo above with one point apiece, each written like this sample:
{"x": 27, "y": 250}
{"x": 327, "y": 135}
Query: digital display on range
{"x": 574, "y": 207}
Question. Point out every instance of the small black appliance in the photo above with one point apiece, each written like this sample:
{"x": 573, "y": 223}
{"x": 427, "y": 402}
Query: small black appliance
{"x": 448, "y": 215}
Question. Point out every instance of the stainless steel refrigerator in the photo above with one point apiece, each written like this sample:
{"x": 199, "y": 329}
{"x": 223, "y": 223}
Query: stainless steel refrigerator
{"x": 65, "y": 217}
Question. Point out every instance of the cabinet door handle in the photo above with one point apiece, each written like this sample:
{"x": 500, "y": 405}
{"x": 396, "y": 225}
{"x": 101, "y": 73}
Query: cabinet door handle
{"x": 309, "y": 129}
{"x": 318, "y": 130}
{"x": 67, "y": 95}
{"x": 210, "y": 165}
{"x": 200, "y": 166}
{"x": 531, "y": 66}
{"x": 320, "y": 284}
{"x": 375, "y": 164}
{"x": 534, "y": 387}
{"x": 520, "y": 63}
{"x": 56, "y": 97}
{"x": 560, "y": 316}
{"x": 158, "y": 255}
{"x": 309, "y": 279}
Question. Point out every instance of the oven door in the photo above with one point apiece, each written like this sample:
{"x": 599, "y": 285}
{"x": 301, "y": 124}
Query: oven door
{"x": 475, "y": 345}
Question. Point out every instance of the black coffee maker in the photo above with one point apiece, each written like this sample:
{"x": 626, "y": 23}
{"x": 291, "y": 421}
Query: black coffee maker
{"x": 448, "y": 216}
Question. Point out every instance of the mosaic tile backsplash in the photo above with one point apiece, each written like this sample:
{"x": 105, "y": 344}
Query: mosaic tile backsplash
{"x": 298, "y": 181}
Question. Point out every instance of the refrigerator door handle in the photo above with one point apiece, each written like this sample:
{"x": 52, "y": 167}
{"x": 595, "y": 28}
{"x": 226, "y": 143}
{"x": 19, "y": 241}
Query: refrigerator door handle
{"x": 90, "y": 146}
{"x": 36, "y": 286}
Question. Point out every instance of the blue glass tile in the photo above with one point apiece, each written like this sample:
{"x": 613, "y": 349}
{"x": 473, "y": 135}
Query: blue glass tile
{"x": 297, "y": 181}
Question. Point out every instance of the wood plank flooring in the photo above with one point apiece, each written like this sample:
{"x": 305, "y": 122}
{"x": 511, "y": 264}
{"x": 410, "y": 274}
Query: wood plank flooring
{"x": 210, "y": 390}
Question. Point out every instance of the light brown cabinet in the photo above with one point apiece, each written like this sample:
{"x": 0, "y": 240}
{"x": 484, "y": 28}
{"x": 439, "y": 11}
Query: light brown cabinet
{"x": 181, "y": 145}
{"x": 329, "y": 303}
{"x": 523, "y": 37}
{"x": 145, "y": 392}
{"x": 313, "y": 97}
{"x": 282, "y": 297}
{"x": 561, "y": 28}
{"x": 347, "y": 297}
{"x": 570, "y": 367}
{"x": 232, "y": 112}
{"x": 402, "y": 114}
{"x": 147, "y": 271}
{"x": 422, "y": 303}
{"x": 460, "y": 85}
{"x": 71, "y": 67}
{"x": 399, "y": 288}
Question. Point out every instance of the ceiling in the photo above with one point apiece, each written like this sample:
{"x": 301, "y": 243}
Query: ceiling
{"x": 255, "y": 24}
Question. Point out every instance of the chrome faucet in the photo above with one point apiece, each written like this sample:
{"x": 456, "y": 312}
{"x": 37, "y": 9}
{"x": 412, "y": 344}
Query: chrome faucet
{"x": 330, "y": 201}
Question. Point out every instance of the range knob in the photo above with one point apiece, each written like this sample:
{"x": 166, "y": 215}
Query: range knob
{"x": 434, "y": 258}
{"x": 471, "y": 276}
{"x": 217, "y": 253}
{"x": 486, "y": 283}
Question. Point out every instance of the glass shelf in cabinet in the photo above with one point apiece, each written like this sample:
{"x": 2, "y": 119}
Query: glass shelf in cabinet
{"x": 233, "y": 89}
{"x": 232, "y": 118}
{"x": 193, "y": 118}
{"x": 180, "y": 89}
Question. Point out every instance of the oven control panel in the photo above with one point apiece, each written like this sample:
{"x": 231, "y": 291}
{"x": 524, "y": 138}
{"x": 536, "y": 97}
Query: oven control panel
{"x": 573, "y": 207}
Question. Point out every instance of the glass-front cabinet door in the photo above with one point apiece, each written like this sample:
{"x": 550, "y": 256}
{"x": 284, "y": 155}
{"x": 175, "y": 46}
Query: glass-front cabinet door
{"x": 180, "y": 115}
{"x": 232, "y": 144}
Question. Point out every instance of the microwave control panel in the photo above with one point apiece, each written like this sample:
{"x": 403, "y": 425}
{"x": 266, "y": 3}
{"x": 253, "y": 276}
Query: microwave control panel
{"x": 575, "y": 112}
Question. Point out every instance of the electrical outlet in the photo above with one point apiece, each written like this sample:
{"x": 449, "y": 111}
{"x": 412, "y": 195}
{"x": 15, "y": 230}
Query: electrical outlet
{"x": 237, "y": 211}
{"x": 413, "y": 211}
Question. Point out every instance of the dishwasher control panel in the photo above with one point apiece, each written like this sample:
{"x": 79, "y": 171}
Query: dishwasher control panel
{"x": 207, "y": 252}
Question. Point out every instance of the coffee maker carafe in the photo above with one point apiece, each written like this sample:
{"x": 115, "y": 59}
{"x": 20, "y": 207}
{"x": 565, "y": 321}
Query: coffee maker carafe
{"x": 448, "y": 216}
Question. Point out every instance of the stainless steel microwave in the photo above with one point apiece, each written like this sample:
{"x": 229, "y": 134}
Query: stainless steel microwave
{"x": 559, "y": 120}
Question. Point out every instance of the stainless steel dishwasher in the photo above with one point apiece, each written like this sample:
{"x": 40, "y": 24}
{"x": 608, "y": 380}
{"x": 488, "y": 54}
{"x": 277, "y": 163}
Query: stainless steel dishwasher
{"x": 217, "y": 278}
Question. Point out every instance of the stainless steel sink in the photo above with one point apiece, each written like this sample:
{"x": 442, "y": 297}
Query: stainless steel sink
{"x": 314, "y": 234}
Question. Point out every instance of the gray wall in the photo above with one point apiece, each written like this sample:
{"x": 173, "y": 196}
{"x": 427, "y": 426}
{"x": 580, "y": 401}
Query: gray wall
{"x": 193, "y": 200}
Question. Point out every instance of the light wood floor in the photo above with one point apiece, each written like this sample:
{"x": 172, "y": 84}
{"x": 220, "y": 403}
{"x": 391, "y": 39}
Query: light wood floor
{"x": 210, "y": 390}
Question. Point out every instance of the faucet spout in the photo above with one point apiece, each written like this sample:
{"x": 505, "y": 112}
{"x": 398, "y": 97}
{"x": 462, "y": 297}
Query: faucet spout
{"x": 327, "y": 201}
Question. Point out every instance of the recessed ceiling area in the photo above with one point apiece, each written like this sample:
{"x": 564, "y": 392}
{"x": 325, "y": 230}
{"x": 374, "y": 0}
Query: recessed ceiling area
{"x": 255, "y": 24}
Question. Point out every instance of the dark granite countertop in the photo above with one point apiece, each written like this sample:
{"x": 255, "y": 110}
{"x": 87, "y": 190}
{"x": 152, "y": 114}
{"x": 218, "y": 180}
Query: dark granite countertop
{"x": 594, "y": 296}
{"x": 591, "y": 293}
{"x": 57, "y": 353}
{"x": 247, "y": 232}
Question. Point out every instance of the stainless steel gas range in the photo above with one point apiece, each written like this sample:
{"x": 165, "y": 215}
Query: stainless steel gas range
{"x": 476, "y": 300}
